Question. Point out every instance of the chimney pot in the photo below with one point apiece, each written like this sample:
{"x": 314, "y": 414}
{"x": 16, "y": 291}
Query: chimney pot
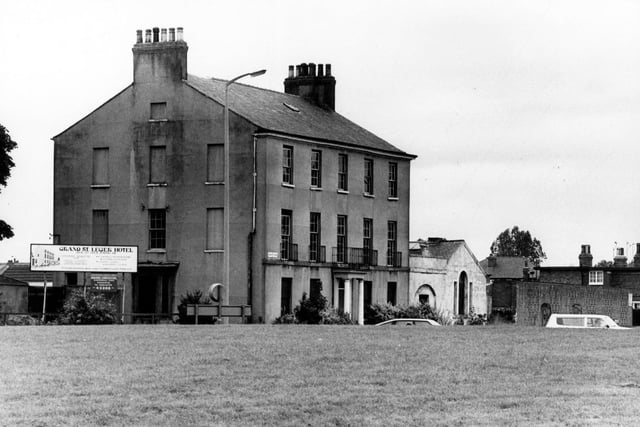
{"x": 172, "y": 34}
{"x": 328, "y": 70}
{"x": 312, "y": 69}
{"x": 320, "y": 70}
{"x": 305, "y": 69}
{"x": 585, "y": 259}
{"x": 179, "y": 34}
{"x": 290, "y": 71}
{"x": 163, "y": 35}
{"x": 156, "y": 34}
{"x": 138, "y": 36}
{"x": 298, "y": 70}
{"x": 147, "y": 36}
{"x": 492, "y": 261}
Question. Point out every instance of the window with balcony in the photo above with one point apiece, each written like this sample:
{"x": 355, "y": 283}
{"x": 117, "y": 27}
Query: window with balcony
{"x": 341, "y": 256}
{"x": 367, "y": 240}
{"x": 316, "y": 250}
{"x": 392, "y": 244}
{"x": 288, "y": 251}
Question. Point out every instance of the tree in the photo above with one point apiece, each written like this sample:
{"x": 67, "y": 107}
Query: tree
{"x": 516, "y": 242}
{"x": 604, "y": 263}
{"x": 6, "y": 163}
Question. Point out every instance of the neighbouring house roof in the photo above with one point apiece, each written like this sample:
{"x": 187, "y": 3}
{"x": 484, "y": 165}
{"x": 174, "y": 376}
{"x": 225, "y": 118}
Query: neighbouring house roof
{"x": 435, "y": 248}
{"x": 8, "y": 281}
{"x": 22, "y": 271}
{"x": 506, "y": 267}
{"x": 291, "y": 115}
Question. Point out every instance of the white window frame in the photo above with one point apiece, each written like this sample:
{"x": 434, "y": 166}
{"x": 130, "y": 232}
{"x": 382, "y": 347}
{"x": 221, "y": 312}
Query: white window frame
{"x": 596, "y": 277}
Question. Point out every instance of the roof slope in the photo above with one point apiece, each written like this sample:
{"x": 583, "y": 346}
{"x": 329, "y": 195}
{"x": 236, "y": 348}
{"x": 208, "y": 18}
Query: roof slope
{"x": 269, "y": 110}
{"x": 507, "y": 267}
{"x": 436, "y": 249}
{"x": 22, "y": 271}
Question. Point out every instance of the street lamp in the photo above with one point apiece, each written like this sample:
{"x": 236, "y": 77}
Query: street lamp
{"x": 227, "y": 180}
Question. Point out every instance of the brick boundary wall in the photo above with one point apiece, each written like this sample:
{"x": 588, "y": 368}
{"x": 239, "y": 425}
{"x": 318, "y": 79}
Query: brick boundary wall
{"x": 530, "y": 296}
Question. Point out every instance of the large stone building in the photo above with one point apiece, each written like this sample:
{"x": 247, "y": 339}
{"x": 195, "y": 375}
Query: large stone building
{"x": 317, "y": 203}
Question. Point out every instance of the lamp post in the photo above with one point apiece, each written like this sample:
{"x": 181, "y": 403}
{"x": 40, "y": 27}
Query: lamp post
{"x": 227, "y": 179}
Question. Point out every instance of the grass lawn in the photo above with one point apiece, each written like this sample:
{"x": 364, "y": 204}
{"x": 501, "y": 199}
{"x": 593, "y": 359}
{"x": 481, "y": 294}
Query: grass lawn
{"x": 317, "y": 375}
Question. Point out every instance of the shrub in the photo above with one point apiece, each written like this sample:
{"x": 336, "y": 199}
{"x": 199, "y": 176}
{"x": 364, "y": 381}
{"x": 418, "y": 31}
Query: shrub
{"x": 313, "y": 311}
{"x": 377, "y": 313}
{"x": 193, "y": 297}
{"x": 90, "y": 309}
{"x": 310, "y": 310}
{"x": 332, "y": 316}
{"x": 286, "y": 319}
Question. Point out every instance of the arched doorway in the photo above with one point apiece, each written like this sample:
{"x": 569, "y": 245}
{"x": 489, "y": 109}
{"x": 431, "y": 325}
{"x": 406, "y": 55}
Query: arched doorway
{"x": 462, "y": 293}
{"x": 426, "y": 295}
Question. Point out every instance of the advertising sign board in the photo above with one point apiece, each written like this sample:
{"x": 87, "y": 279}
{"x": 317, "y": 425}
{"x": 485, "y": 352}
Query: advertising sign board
{"x": 103, "y": 259}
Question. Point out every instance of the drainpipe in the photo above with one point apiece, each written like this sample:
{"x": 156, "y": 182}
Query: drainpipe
{"x": 253, "y": 227}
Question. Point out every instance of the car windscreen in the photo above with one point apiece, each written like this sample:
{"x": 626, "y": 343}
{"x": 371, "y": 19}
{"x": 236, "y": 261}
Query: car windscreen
{"x": 570, "y": 321}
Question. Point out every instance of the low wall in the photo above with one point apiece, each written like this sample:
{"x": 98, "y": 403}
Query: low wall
{"x": 531, "y": 296}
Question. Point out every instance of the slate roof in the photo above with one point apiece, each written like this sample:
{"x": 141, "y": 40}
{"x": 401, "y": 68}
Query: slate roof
{"x": 276, "y": 112}
{"x": 22, "y": 271}
{"x": 507, "y": 267}
{"x": 435, "y": 249}
{"x": 4, "y": 281}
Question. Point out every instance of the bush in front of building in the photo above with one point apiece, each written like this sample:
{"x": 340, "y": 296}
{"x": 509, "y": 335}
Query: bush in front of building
{"x": 193, "y": 297}
{"x": 90, "y": 308}
{"x": 315, "y": 310}
{"x": 376, "y": 313}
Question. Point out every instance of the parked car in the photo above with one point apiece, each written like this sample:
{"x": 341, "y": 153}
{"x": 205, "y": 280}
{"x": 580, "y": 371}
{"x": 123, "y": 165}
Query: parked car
{"x": 409, "y": 322}
{"x": 582, "y": 321}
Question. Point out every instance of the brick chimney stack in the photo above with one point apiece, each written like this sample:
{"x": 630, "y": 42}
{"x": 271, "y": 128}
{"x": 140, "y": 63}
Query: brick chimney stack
{"x": 620, "y": 260}
{"x": 636, "y": 257}
{"x": 314, "y": 84}
{"x": 585, "y": 258}
{"x": 159, "y": 55}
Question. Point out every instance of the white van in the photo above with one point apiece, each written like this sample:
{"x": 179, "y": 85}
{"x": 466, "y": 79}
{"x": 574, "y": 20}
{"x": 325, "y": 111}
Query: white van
{"x": 582, "y": 321}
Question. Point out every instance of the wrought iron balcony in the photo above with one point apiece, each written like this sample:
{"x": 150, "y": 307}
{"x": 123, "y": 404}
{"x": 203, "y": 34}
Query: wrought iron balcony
{"x": 288, "y": 251}
{"x": 354, "y": 257}
{"x": 394, "y": 259}
{"x": 317, "y": 253}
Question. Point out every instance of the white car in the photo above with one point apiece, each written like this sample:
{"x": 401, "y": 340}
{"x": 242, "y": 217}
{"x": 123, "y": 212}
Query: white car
{"x": 409, "y": 322}
{"x": 582, "y": 321}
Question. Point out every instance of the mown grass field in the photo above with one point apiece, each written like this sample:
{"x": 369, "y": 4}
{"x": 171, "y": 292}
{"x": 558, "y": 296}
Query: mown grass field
{"x": 317, "y": 375}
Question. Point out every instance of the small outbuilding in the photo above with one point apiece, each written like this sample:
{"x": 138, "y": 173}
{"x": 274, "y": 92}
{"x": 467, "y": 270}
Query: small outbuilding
{"x": 446, "y": 275}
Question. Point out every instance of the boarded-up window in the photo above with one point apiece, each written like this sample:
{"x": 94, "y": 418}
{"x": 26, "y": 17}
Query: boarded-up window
{"x": 100, "y": 166}
{"x": 100, "y": 228}
{"x": 215, "y": 229}
{"x": 158, "y": 111}
{"x": 215, "y": 163}
{"x": 158, "y": 165}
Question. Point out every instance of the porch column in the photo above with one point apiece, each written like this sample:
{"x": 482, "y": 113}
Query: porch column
{"x": 347, "y": 296}
{"x": 336, "y": 293}
{"x": 360, "y": 301}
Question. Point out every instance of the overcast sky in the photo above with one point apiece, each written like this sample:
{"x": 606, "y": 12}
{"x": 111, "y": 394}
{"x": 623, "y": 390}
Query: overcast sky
{"x": 520, "y": 112}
